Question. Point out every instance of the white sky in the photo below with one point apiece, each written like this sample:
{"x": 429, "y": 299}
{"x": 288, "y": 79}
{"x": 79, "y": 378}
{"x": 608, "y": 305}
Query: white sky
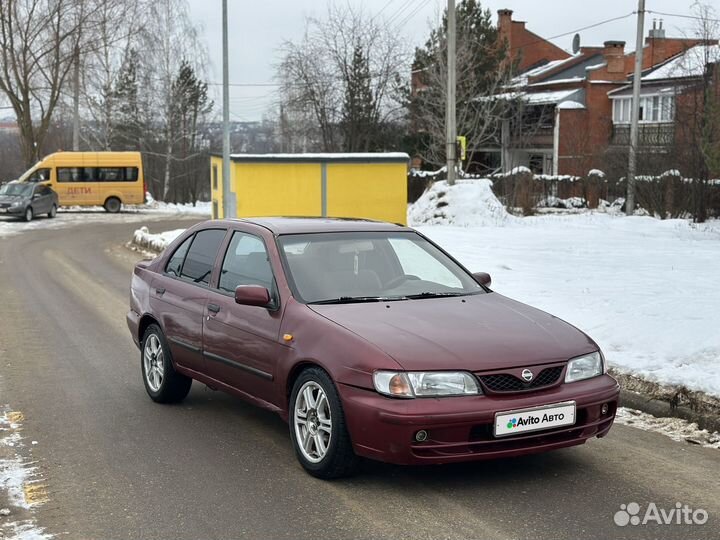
{"x": 258, "y": 28}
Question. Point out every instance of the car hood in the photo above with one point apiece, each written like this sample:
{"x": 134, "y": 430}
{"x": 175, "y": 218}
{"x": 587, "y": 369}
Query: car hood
{"x": 474, "y": 333}
{"x": 11, "y": 198}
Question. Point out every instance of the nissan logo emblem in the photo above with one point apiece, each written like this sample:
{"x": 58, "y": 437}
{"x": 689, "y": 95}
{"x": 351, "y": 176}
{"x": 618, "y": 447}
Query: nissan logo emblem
{"x": 527, "y": 375}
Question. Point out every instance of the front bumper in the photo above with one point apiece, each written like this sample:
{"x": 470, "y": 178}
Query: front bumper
{"x": 461, "y": 428}
{"x": 13, "y": 211}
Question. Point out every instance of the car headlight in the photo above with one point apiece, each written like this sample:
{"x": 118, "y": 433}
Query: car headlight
{"x": 16, "y": 204}
{"x": 584, "y": 367}
{"x": 409, "y": 384}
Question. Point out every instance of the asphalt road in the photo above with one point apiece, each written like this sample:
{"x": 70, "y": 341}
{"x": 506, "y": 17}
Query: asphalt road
{"x": 116, "y": 465}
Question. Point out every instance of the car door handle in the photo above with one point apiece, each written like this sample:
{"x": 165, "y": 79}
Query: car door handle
{"x": 213, "y": 308}
{"x": 160, "y": 291}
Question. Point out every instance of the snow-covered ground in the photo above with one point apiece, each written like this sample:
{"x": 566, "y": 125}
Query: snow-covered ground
{"x": 675, "y": 428}
{"x": 646, "y": 290}
{"x": 68, "y": 217}
{"x": 157, "y": 241}
{"x": 20, "y": 483}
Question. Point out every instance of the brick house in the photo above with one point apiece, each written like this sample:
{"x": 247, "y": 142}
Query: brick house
{"x": 575, "y": 107}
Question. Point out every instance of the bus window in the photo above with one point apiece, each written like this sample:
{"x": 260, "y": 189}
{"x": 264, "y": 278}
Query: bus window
{"x": 131, "y": 174}
{"x": 68, "y": 174}
{"x": 39, "y": 175}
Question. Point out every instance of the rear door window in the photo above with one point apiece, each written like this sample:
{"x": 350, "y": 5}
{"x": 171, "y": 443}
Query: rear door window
{"x": 201, "y": 255}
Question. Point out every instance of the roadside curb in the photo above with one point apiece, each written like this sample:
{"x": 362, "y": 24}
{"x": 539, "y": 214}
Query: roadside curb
{"x": 664, "y": 401}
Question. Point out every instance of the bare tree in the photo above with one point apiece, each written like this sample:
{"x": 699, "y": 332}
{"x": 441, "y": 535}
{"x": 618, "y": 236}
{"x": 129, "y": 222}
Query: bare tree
{"x": 697, "y": 141}
{"x": 109, "y": 34}
{"x": 345, "y": 71}
{"x": 38, "y": 40}
{"x": 169, "y": 39}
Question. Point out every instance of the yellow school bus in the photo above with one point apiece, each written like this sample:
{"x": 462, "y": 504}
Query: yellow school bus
{"x": 108, "y": 179}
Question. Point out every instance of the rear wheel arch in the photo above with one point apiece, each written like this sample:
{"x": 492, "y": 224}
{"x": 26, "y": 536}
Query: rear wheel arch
{"x": 145, "y": 321}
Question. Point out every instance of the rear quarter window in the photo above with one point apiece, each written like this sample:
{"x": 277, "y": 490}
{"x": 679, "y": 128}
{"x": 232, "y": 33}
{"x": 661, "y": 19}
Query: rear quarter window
{"x": 201, "y": 256}
{"x": 174, "y": 265}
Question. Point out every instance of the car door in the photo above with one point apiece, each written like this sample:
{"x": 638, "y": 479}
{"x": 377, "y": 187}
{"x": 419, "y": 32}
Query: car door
{"x": 42, "y": 200}
{"x": 241, "y": 343}
{"x": 178, "y": 295}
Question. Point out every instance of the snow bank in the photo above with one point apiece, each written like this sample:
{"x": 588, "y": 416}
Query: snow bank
{"x": 155, "y": 242}
{"x": 675, "y": 428}
{"x": 469, "y": 203}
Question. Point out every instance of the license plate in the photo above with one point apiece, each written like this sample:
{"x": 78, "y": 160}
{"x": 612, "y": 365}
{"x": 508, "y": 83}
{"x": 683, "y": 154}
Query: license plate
{"x": 534, "y": 419}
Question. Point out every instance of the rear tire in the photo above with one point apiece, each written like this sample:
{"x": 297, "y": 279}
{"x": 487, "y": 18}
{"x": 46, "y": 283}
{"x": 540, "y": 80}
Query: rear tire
{"x": 112, "y": 205}
{"x": 29, "y": 214}
{"x": 162, "y": 383}
{"x": 53, "y": 212}
{"x": 317, "y": 427}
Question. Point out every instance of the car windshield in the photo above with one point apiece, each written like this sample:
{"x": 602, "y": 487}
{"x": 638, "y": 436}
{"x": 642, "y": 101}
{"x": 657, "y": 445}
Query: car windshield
{"x": 16, "y": 190}
{"x": 348, "y": 267}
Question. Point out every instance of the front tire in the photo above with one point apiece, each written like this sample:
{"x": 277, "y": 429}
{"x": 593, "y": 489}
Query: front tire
{"x": 317, "y": 427}
{"x": 29, "y": 214}
{"x": 162, "y": 383}
{"x": 112, "y": 205}
{"x": 53, "y": 212}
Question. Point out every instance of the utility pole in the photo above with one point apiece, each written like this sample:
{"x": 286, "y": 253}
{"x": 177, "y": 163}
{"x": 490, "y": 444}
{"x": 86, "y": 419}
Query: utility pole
{"x": 634, "y": 119}
{"x": 450, "y": 118}
{"x": 229, "y": 206}
{"x": 76, "y": 100}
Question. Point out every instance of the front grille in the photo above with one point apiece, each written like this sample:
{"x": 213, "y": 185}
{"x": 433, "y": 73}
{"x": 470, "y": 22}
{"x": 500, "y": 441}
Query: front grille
{"x": 4, "y": 205}
{"x": 504, "y": 382}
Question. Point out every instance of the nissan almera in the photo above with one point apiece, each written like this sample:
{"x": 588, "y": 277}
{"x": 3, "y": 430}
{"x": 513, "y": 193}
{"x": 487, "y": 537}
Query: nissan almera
{"x": 368, "y": 339}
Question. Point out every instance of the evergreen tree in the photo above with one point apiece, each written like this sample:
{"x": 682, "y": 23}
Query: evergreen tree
{"x": 129, "y": 123}
{"x": 190, "y": 101}
{"x": 359, "y": 115}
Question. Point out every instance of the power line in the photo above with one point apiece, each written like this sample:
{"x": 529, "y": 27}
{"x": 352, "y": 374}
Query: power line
{"x": 399, "y": 12}
{"x": 412, "y": 14}
{"x": 381, "y": 10}
{"x": 694, "y": 17}
{"x": 595, "y": 25}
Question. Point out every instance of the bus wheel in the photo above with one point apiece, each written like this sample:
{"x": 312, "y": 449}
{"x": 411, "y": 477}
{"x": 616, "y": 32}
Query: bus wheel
{"x": 112, "y": 205}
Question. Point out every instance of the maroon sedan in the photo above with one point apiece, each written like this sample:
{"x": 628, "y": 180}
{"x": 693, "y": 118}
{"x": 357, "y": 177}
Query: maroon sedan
{"x": 369, "y": 339}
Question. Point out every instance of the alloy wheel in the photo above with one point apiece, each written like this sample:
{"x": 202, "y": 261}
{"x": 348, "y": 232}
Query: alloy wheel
{"x": 312, "y": 421}
{"x": 153, "y": 361}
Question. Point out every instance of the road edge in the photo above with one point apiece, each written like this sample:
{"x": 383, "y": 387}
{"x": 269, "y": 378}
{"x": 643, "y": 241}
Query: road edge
{"x": 668, "y": 401}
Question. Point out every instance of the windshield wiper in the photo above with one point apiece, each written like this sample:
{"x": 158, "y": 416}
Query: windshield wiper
{"x": 433, "y": 295}
{"x": 359, "y": 299}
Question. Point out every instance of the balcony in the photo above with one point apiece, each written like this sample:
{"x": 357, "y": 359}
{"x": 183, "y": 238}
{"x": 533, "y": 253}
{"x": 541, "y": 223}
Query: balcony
{"x": 649, "y": 135}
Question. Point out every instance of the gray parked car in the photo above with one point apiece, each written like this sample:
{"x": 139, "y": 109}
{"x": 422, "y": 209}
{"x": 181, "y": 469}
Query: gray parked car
{"x": 26, "y": 200}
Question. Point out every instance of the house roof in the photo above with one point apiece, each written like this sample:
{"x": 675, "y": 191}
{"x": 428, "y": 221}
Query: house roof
{"x": 522, "y": 79}
{"x": 542, "y": 98}
{"x": 354, "y": 157}
{"x": 691, "y": 63}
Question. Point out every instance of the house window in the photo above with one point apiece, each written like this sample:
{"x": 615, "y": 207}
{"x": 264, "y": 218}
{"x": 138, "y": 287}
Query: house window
{"x": 653, "y": 109}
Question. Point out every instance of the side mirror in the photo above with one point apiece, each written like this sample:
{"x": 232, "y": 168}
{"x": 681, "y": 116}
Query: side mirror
{"x": 252, "y": 295}
{"x": 483, "y": 278}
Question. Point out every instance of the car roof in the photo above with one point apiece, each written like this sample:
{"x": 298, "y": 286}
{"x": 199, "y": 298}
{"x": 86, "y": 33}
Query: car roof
{"x": 300, "y": 225}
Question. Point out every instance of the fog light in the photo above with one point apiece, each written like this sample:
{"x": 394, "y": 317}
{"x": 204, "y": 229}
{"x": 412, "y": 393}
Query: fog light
{"x": 604, "y": 409}
{"x": 421, "y": 436}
